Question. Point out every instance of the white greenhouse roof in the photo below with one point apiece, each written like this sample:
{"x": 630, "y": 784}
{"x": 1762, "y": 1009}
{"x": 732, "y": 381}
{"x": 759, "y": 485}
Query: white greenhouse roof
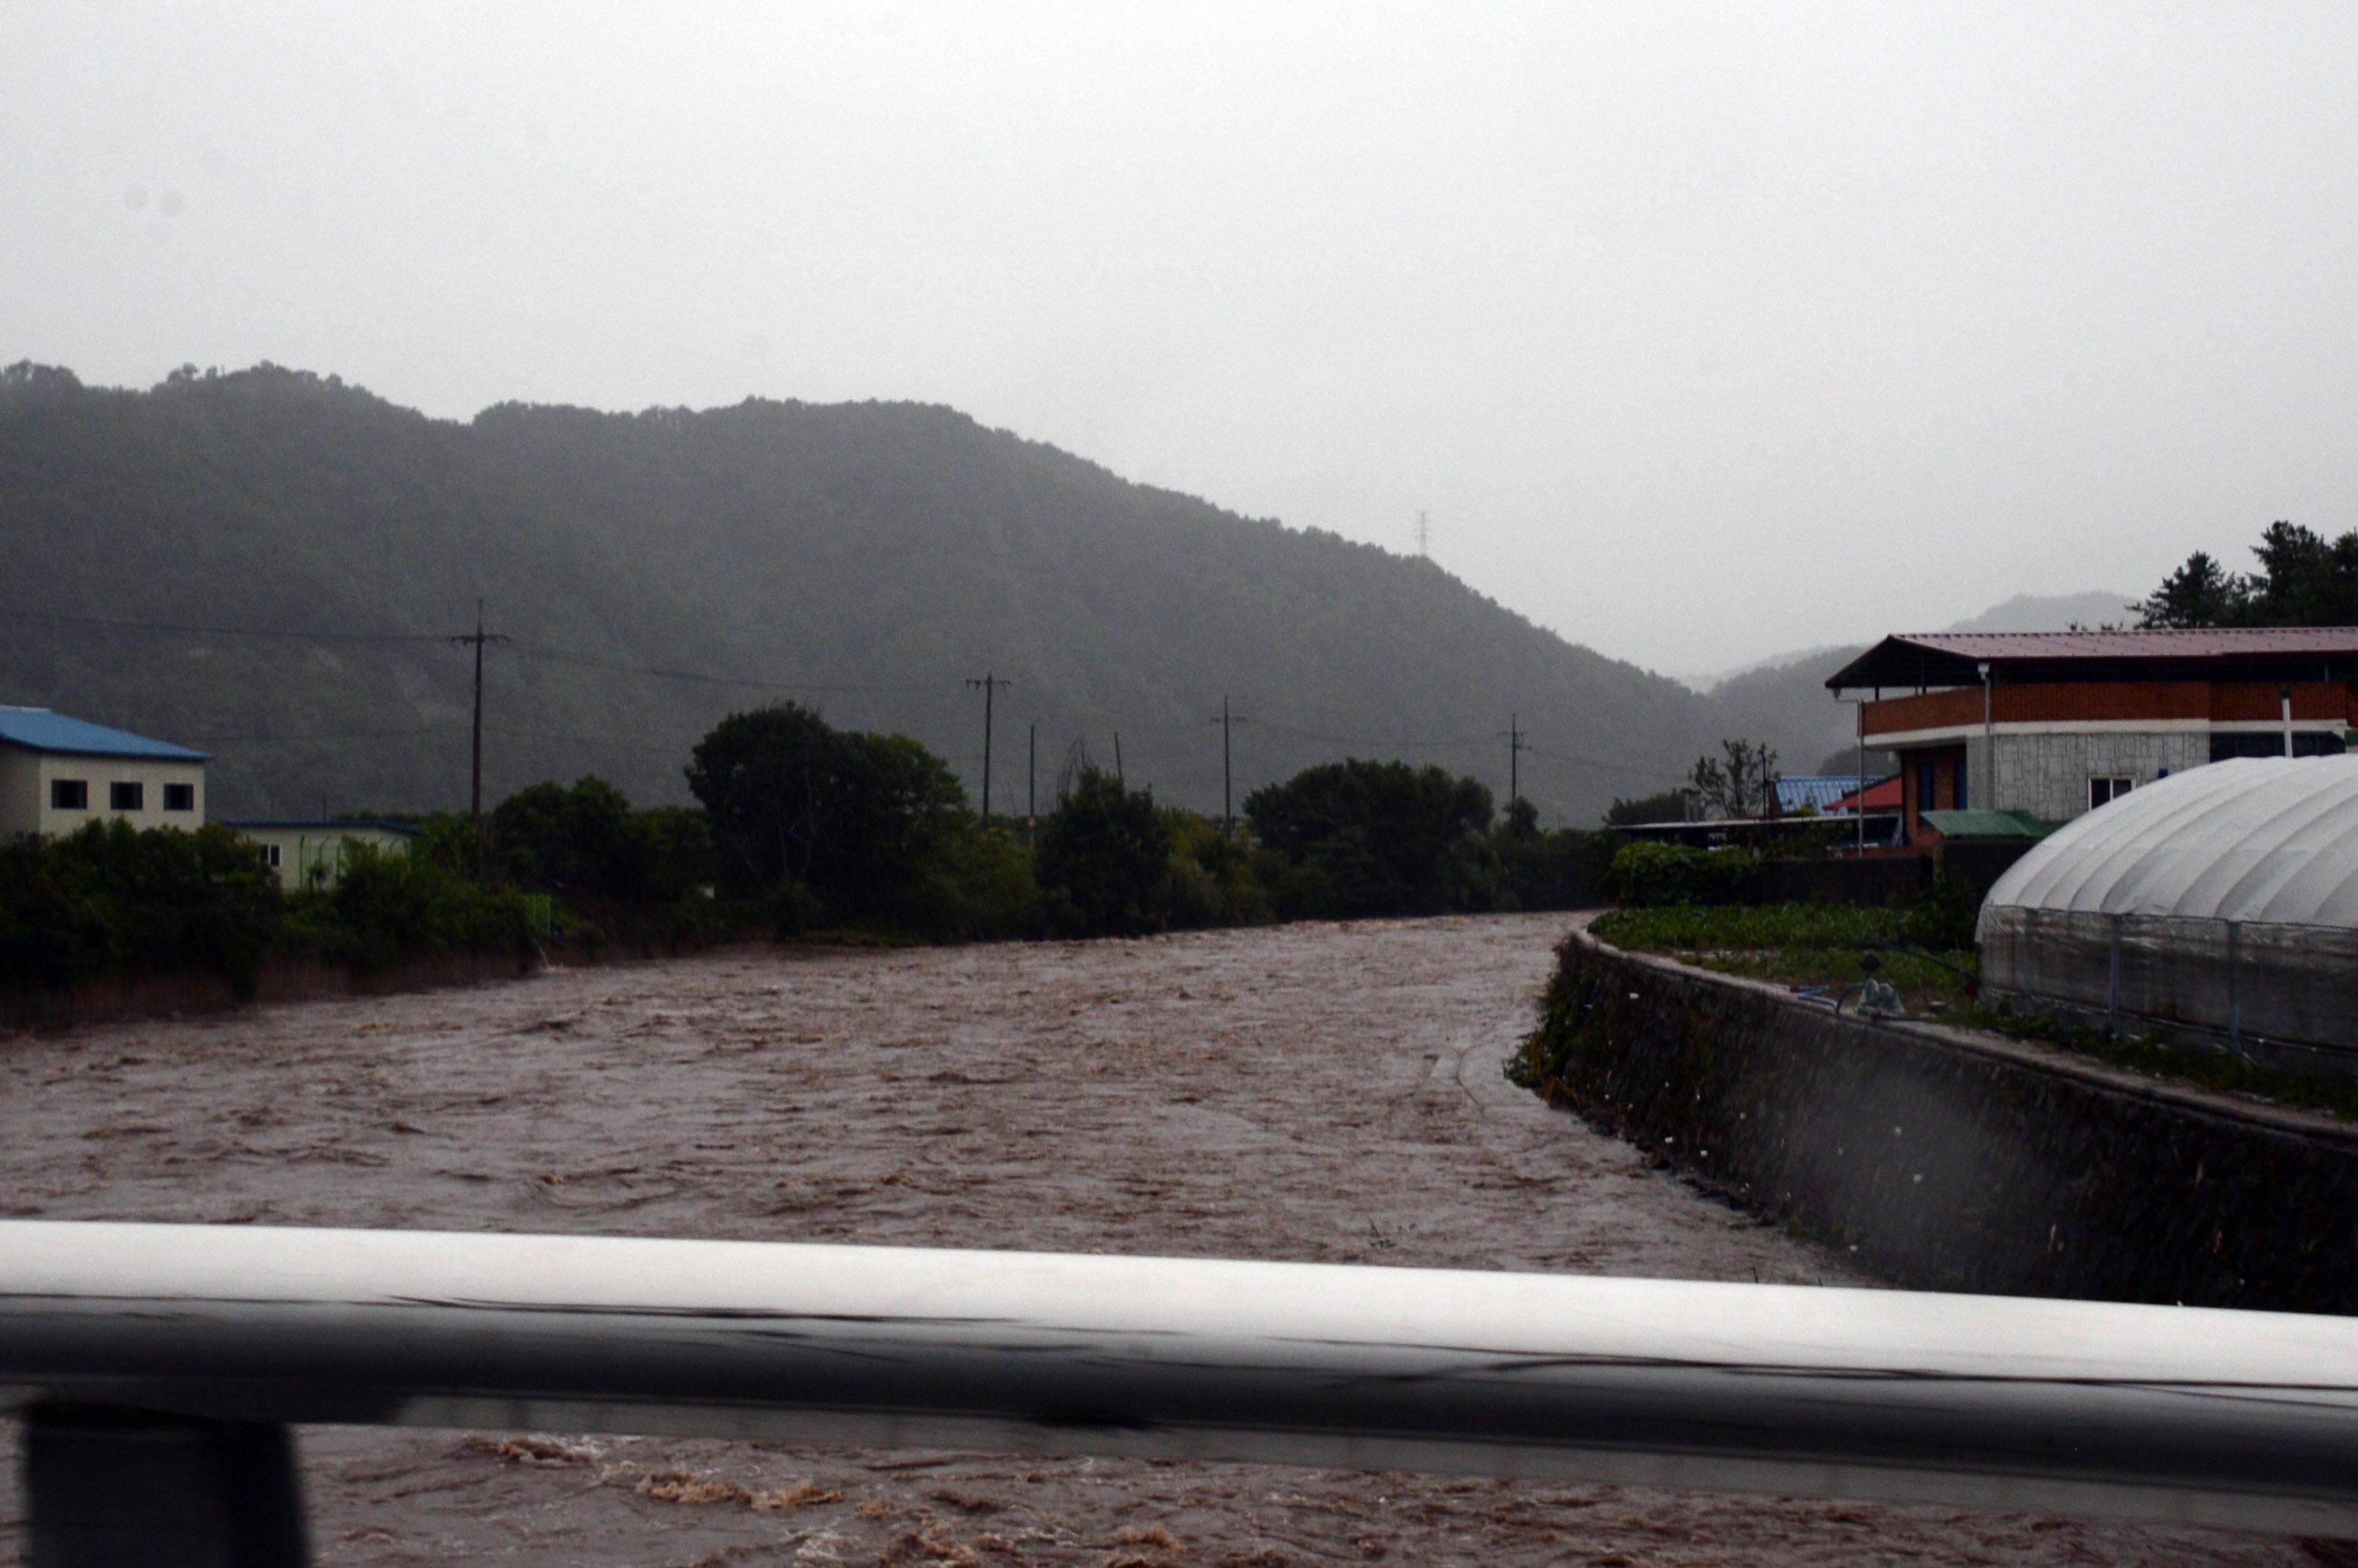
{"x": 2269, "y": 839}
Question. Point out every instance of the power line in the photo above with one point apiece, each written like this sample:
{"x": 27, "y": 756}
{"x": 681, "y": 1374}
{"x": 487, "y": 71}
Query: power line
{"x": 1433, "y": 743}
{"x": 516, "y": 734}
{"x": 1598, "y": 764}
{"x": 214, "y": 739}
{"x": 479, "y": 639}
{"x": 700, "y": 677}
{"x": 190, "y": 630}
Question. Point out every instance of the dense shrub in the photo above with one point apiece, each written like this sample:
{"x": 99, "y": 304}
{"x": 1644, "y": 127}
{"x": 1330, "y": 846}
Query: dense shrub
{"x": 110, "y": 898}
{"x": 859, "y": 819}
{"x": 1647, "y": 874}
{"x": 1103, "y": 856}
{"x": 1385, "y": 838}
{"x": 1563, "y": 869}
{"x": 651, "y": 870}
{"x": 396, "y": 904}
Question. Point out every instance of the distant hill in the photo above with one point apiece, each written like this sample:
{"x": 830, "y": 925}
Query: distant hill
{"x": 881, "y": 554}
{"x": 2054, "y": 612}
{"x": 1785, "y": 702}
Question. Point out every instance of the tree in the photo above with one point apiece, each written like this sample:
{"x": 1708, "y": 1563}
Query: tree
{"x": 1382, "y": 837}
{"x": 574, "y": 840}
{"x": 2304, "y": 579}
{"x": 1102, "y": 854}
{"x": 1667, "y": 806}
{"x": 768, "y": 780}
{"x": 855, "y": 818}
{"x": 2199, "y": 593}
{"x": 1740, "y": 782}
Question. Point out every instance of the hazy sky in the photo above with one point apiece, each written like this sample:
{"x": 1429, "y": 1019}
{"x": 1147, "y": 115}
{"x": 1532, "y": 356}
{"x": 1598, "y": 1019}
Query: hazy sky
{"x": 1702, "y": 331}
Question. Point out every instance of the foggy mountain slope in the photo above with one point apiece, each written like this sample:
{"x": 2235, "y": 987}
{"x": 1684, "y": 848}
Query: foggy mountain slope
{"x": 2055, "y": 613}
{"x": 880, "y": 554}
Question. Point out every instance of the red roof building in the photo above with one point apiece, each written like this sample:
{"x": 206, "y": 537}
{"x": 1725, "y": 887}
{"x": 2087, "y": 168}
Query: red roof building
{"x": 2056, "y": 723}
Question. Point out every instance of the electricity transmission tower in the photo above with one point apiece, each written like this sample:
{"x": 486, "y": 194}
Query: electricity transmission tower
{"x": 1424, "y": 535}
{"x": 1514, "y": 761}
{"x": 990, "y": 682}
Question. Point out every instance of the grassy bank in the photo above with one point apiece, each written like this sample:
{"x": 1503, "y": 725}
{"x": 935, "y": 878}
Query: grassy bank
{"x": 1914, "y": 950}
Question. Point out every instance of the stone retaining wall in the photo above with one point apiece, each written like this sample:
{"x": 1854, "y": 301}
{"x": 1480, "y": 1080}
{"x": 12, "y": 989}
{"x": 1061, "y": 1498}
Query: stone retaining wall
{"x": 1955, "y": 1160}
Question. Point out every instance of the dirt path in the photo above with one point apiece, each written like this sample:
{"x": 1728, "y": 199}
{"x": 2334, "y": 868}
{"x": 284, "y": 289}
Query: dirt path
{"x": 1318, "y": 1093}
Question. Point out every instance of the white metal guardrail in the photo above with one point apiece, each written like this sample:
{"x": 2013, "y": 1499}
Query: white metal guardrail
{"x": 181, "y": 1352}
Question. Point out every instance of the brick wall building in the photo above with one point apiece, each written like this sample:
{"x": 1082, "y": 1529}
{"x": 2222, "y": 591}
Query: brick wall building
{"x": 2053, "y": 724}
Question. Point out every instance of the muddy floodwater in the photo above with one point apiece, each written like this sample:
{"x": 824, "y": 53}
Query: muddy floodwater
{"x": 1320, "y": 1093}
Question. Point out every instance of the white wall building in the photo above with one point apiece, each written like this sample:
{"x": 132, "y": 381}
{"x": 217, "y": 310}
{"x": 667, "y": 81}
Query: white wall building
{"x": 57, "y": 773}
{"x": 310, "y": 855}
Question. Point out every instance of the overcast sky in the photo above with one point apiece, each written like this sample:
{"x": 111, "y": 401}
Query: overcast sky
{"x": 1702, "y": 331}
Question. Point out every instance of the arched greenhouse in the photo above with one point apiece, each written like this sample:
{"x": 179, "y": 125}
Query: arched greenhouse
{"x": 2224, "y": 899}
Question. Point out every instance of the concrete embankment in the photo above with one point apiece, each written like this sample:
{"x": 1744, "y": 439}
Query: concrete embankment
{"x": 1949, "y": 1160}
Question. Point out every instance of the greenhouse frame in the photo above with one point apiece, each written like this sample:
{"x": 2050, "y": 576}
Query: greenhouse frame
{"x": 2223, "y": 901}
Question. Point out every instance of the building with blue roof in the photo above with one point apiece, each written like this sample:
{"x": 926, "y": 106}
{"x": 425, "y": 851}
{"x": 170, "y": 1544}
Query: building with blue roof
{"x": 59, "y": 773}
{"x": 1824, "y": 793}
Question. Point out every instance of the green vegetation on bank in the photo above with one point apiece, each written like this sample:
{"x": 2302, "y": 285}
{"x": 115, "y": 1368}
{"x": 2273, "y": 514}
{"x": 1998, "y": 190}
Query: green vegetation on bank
{"x": 110, "y": 900}
{"x": 822, "y": 830}
{"x": 1925, "y": 949}
{"x": 1917, "y": 947}
{"x": 803, "y": 832}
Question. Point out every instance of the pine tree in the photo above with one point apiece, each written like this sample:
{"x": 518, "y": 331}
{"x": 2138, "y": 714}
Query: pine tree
{"x": 2199, "y": 593}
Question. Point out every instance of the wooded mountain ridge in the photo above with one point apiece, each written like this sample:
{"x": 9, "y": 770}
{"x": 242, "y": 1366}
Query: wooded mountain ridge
{"x": 658, "y": 570}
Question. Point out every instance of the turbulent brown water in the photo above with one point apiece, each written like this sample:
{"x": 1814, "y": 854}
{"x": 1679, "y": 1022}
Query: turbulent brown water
{"x": 1318, "y": 1093}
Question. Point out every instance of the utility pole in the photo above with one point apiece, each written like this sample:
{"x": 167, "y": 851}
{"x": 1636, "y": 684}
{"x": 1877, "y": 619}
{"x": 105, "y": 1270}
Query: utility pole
{"x": 1118, "y": 777}
{"x": 1861, "y": 705}
{"x": 990, "y": 682}
{"x": 475, "y": 792}
{"x": 1227, "y": 798}
{"x": 1424, "y": 535}
{"x": 1514, "y": 761}
{"x": 1032, "y": 784}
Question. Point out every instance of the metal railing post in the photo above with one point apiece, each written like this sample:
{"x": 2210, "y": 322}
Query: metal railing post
{"x": 2115, "y": 1007}
{"x": 2234, "y": 985}
{"x": 110, "y": 1488}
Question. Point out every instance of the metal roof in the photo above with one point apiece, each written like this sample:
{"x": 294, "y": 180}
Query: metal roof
{"x": 1884, "y": 793}
{"x": 1796, "y": 792}
{"x": 40, "y": 730}
{"x": 1976, "y": 823}
{"x": 2249, "y": 652}
{"x": 2262, "y": 840}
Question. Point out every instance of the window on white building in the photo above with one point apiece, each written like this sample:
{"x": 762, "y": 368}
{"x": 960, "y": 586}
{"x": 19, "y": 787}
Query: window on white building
{"x": 270, "y": 855}
{"x": 180, "y": 797}
{"x": 69, "y": 794}
{"x": 2103, "y": 789}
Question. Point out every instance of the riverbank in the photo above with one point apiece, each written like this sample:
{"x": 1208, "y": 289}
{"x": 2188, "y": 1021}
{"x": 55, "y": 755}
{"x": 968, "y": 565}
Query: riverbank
{"x": 1949, "y": 1159}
